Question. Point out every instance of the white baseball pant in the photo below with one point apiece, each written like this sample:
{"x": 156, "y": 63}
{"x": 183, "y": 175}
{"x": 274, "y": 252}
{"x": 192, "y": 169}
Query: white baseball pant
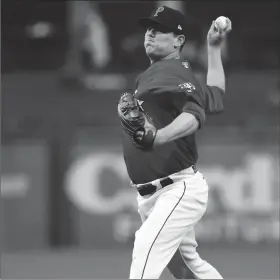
{"x": 169, "y": 216}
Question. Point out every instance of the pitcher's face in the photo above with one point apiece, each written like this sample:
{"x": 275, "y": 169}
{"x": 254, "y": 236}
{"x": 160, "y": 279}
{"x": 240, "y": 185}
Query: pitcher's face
{"x": 158, "y": 44}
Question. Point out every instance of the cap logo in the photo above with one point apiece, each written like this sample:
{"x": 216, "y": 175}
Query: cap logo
{"x": 160, "y": 9}
{"x": 180, "y": 27}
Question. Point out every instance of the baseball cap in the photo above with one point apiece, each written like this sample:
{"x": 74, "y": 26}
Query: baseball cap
{"x": 166, "y": 20}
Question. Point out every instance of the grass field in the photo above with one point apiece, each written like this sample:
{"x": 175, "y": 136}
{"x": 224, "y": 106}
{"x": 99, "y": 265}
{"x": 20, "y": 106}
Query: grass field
{"x": 237, "y": 263}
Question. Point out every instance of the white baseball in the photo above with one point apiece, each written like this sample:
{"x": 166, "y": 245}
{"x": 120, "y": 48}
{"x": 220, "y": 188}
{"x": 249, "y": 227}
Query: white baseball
{"x": 221, "y": 22}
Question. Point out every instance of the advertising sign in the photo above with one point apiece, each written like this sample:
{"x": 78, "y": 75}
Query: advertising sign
{"x": 243, "y": 198}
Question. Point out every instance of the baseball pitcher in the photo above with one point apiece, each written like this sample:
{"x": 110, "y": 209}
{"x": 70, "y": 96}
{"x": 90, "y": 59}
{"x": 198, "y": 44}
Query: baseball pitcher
{"x": 159, "y": 122}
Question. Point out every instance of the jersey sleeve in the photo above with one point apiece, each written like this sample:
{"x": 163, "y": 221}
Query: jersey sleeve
{"x": 214, "y": 99}
{"x": 196, "y": 110}
{"x": 190, "y": 100}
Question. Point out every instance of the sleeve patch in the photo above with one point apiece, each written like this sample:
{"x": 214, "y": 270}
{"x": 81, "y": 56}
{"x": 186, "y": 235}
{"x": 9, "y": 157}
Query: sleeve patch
{"x": 189, "y": 87}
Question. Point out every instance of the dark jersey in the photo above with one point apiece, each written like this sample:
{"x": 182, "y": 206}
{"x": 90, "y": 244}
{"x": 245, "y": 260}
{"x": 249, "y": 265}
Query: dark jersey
{"x": 165, "y": 90}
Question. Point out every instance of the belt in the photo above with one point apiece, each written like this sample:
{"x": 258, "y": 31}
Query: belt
{"x": 149, "y": 188}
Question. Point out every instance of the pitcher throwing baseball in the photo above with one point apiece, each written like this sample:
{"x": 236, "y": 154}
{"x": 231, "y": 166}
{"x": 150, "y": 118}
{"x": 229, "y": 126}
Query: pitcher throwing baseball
{"x": 159, "y": 123}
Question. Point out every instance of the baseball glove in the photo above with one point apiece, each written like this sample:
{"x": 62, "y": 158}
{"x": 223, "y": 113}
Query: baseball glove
{"x": 136, "y": 122}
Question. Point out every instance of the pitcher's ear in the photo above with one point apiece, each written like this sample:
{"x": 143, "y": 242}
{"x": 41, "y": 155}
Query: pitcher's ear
{"x": 180, "y": 40}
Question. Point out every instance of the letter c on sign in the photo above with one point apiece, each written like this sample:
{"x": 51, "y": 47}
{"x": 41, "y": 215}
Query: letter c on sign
{"x": 82, "y": 184}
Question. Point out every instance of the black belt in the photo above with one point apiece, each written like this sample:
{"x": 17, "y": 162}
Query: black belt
{"x": 151, "y": 189}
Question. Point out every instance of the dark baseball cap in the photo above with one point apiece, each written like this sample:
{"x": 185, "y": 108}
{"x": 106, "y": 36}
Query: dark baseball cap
{"x": 165, "y": 19}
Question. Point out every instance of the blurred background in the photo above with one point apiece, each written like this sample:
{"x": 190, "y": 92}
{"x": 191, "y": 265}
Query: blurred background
{"x": 68, "y": 210}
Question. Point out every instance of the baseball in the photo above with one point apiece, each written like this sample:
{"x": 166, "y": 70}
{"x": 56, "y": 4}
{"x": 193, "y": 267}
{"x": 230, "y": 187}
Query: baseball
{"x": 221, "y": 22}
